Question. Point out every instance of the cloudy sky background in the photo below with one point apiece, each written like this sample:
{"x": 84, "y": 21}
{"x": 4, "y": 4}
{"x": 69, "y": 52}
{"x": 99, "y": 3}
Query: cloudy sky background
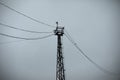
{"x": 93, "y": 24}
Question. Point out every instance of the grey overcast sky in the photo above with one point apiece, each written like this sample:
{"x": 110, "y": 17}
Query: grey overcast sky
{"x": 93, "y": 24}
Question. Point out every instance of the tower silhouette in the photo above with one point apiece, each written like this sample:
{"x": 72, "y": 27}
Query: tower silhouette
{"x": 60, "y": 71}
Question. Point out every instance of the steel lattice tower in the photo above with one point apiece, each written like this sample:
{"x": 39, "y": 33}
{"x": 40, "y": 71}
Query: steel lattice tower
{"x": 60, "y": 71}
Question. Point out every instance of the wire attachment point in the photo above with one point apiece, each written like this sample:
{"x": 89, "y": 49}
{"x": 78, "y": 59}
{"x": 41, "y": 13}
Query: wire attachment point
{"x": 59, "y": 30}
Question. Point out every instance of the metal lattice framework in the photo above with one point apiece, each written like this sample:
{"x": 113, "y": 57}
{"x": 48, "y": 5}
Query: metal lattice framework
{"x": 60, "y": 71}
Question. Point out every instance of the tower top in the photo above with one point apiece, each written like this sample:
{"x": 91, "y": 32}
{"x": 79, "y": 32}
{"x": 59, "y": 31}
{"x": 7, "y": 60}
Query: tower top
{"x": 59, "y": 30}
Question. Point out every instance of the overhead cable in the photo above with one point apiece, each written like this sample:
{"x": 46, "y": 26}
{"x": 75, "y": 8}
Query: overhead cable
{"x": 5, "y": 25}
{"x": 33, "y": 19}
{"x": 26, "y": 38}
{"x": 89, "y": 59}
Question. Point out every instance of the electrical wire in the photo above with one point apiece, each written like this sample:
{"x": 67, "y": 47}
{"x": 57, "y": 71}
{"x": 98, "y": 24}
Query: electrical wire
{"x": 89, "y": 59}
{"x": 5, "y": 25}
{"x": 33, "y": 19}
{"x": 26, "y": 38}
{"x": 70, "y": 38}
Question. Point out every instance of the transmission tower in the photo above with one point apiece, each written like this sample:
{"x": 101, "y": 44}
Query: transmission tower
{"x": 60, "y": 71}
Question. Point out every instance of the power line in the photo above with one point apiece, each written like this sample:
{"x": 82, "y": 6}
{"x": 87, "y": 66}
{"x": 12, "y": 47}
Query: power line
{"x": 26, "y": 38}
{"x": 5, "y": 25}
{"x": 67, "y": 34}
{"x": 95, "y": 64}
{"x": 25, "y": 15}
